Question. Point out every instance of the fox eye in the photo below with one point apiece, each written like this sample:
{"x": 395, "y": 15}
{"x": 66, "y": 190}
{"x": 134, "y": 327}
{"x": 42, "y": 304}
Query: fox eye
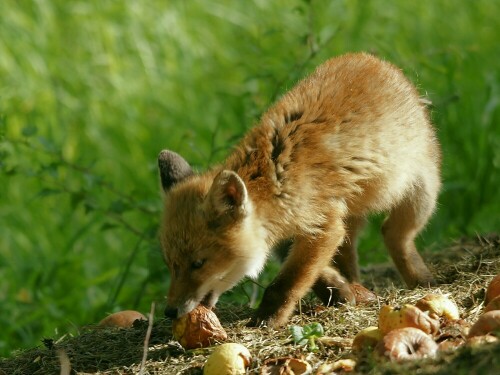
{"x": 197, "y": 264}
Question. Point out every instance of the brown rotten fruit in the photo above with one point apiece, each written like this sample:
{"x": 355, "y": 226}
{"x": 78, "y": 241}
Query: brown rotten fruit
{"x": 487, "y": 323}
{"x": 122, "y": 319}
{"x": 494, "y": 304}
{"x": 285, "y": 366}
{"x": 406, "y": 343}
{"x": 198, "y": 329}
{"x": 338, "y": 367}
{"x": 362, "y": 295}
{"x": 493, "y": 289}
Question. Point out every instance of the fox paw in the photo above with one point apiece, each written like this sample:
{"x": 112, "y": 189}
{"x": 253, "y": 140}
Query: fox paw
{"x": 257, "y": 323}
{"x": 264, "y": 318}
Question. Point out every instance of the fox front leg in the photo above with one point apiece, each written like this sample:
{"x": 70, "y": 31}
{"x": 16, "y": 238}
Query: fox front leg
{"x": 308, "y": 257}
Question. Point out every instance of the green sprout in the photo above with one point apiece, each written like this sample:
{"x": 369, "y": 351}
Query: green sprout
{"x": 307, "y": 335}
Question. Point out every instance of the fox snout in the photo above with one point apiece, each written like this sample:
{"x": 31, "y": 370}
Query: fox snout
{"x": 177, "y": 309}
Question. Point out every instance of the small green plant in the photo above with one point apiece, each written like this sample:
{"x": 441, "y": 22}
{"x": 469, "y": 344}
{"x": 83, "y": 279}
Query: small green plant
{"x": 307, "y": 335}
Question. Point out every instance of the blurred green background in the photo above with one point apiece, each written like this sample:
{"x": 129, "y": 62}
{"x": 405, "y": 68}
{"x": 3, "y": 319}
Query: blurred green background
{"x": 91, "y": 91}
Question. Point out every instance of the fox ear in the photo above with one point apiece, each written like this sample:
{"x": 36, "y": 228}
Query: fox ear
{"x": 228, "y": 195}
{"x": 173, "y": 169}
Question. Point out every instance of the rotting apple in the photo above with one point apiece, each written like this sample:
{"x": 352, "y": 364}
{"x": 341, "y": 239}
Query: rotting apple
{"x": 493, "y": 290}
{"x": 439, "y": 306}
{"x": 363, "y": 295}
{"x": 487, "y": 323}
{"x": 122, "y": 319}
{"x": 198, "y": 329}
{"x": 405, "y": 344}
{"x": 391, "y": 318}
{"x": 494, "y": 304}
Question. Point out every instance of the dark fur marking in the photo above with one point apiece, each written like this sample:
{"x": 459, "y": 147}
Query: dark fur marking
{"x": 278, "y": 145}
{"x": 318, "y": 120}
{"x": 255, "y": 175}
{"x": 294, "y": 116}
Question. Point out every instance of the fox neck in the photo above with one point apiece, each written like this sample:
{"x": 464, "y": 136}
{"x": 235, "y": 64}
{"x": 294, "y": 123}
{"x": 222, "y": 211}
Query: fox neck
{"x": 258, "y": 161}
{"x": 255, "y": 243}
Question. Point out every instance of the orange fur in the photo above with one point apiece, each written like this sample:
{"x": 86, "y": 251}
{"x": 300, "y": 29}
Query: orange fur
{"x": 351, "y": 139}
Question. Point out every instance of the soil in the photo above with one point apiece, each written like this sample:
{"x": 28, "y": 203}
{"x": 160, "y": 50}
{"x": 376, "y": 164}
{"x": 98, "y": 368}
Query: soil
{"x": 463, "y": 270}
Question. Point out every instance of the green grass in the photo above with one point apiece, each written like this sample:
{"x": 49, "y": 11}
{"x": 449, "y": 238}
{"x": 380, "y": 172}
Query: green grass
{"x": 91, "y": 91}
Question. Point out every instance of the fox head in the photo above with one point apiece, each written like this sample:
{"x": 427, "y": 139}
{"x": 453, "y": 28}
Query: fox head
{"x": 210, "y": 235}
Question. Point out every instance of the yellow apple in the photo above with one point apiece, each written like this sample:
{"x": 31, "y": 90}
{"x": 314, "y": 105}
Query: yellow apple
{"x": 439, "y": 306}
{"x": 366, "y": 338}
{"x": 228, "y": 359}
{"x": 391, "y": 318}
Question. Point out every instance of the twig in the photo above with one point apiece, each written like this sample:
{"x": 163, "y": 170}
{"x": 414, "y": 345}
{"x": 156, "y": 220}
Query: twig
{"x": 65, "y": 363}
{"x": 146, "y": 339}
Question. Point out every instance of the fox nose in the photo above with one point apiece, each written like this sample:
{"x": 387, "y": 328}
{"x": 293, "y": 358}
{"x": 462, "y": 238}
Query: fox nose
{"x": 171, "y": 312}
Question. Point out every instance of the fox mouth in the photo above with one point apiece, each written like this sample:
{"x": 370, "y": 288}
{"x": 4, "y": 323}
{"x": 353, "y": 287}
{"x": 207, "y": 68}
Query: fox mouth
{"x": 207, "y": 300}
{"x": 177, "y": 312}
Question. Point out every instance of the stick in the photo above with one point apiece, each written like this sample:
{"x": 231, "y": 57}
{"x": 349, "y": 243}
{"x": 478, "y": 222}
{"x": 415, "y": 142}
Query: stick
{"x": 146, "y": 339}
{"x": 65, "y": 363}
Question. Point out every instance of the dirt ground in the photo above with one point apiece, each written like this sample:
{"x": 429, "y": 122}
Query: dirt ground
{"x": 463, "y": 269}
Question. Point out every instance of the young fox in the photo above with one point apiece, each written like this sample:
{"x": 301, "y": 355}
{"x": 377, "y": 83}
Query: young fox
{"x": 350, "y": 139}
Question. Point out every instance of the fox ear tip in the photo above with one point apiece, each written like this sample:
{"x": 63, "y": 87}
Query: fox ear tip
{"x": 228, "y": 192}
{"x": 173, "y": 169}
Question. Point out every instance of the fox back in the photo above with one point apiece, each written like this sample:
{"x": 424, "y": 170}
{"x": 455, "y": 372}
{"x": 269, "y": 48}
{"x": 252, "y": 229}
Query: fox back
{"x": 352, "y": 138}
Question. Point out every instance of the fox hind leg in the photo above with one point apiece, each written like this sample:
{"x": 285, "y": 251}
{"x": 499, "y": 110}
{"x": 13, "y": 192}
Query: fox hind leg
{"x": 332, "y": 286}
{"x": 403, "y": 224}
{"x": 346, "y": 258}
